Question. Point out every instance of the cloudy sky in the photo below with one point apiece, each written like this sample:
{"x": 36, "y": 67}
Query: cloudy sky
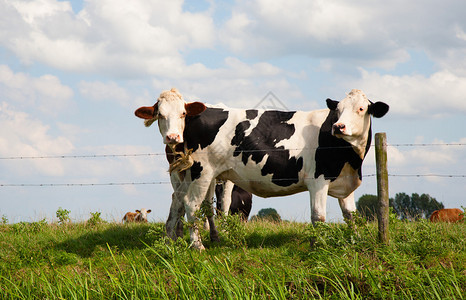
{"x": 73, "y": 72}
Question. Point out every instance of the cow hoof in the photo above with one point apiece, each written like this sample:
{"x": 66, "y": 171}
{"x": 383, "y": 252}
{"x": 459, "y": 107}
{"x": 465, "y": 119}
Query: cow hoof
{"x": 214, "y": 238}
{"x": 198, "y": 245}
{"x": 318, "y": 219}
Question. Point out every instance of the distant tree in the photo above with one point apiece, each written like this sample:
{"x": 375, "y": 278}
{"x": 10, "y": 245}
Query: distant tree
{"x": 406, "y": 207}
{"x": 367, "y": 206}
{"x": 415, "y": 206}
{"x": 269, "y": 214}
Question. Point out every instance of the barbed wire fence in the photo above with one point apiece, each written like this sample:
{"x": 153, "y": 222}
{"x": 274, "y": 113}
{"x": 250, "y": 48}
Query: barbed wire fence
{"x": 159, "y": 182}
{"x": 269, "y": 102}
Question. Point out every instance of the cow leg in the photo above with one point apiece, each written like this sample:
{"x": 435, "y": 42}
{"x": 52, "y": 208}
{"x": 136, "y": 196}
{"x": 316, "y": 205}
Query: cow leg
{"x": 227, "y": 190}
{"x": 318, "y": 190}
{"x": 192, "y": 200}
{"x": 174, "y": 224}
{"x": 347, "y": 206}
{"x": 209, "y": 204}
{"x": 191, "y": 207}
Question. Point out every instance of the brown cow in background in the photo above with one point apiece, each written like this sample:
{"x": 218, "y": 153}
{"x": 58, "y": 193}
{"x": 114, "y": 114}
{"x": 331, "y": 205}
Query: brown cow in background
{"x": 450, "y": 215}
{"x": 138, "y": 216}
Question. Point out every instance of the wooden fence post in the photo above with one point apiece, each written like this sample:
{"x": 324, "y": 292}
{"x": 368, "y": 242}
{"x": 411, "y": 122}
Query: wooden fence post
{"x": 382, "y": 186}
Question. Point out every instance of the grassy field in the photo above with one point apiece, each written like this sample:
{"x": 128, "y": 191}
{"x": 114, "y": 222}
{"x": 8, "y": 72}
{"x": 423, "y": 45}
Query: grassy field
{"x": 257, "y": 260}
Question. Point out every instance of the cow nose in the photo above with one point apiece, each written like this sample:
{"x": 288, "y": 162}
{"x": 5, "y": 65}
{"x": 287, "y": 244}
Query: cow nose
{"x": 339, "y": 128}
{"x": 173, "y": 138}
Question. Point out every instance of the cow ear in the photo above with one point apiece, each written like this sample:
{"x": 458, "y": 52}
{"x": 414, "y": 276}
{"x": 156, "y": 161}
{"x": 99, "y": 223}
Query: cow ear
{"x": 138, "y": 211}
{"x": 194, "y": 108}
{"x": 332, "y": 104}
{"x": 378, "y": 109}
{"x": 147, "y": 112}
{"x": 149, "y": 211}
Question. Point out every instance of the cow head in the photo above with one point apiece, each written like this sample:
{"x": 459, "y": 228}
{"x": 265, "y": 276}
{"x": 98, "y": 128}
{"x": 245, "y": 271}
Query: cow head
{"x": 354, "y": 116}
{"x": 144, "y": 212}
{"x": 170, "y": 111}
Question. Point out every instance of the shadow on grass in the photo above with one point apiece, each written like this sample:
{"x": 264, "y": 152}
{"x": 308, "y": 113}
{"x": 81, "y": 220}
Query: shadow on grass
{"x": 121, "y": 236}
{"x": 273, "y": 240}
{"x": 135, "y": 236}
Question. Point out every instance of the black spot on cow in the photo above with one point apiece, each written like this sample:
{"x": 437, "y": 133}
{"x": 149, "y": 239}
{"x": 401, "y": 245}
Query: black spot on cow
{"x": 201, "y": 130}
{"x": 332, "y": 152}
{"x": 196, "y": 170}
{"x": 271, "y": 128}
{"x": 251, "y": 114}
{"x": 241, "y": 201}
{"x": 239, "y": 137}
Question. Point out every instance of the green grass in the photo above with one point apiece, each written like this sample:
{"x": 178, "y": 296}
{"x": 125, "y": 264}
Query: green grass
{"x": 257, "y": 260}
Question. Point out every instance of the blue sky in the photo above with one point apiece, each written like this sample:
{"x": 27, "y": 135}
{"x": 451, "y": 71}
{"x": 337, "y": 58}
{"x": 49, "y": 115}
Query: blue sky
{"x": 72, "y": 74}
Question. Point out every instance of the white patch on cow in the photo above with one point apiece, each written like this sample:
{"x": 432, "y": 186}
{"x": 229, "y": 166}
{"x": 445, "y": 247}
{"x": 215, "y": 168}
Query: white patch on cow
{"x": 354, "y": 120}
{"x": 345, "y": 183}
{"x": 253, "y": 123}
{"x": 171, "y": 116}
{"x": 296, "y": 144}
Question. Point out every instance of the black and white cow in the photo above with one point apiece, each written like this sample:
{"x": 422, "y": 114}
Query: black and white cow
{"x": 233, "y": 199}
{"x": 268, "y": 153}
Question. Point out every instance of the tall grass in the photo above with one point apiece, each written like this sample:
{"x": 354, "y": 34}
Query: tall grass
{"x": 257, "y": 260}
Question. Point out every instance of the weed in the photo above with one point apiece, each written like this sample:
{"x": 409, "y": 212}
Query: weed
{"x": 463, "y": 214}
{"x": 232, "y": 229}
{"x": 95, "y": 219}
{"x": 26, "y": 227}
{"x": 63, "y": 215}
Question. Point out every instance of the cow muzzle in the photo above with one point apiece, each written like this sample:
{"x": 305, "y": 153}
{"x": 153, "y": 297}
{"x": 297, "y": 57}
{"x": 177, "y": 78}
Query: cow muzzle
{"x": 173, "y": 138}
{"x": 339, "y": 128}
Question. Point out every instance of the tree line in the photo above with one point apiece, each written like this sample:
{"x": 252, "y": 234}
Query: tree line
{"x": 406, "y": 207}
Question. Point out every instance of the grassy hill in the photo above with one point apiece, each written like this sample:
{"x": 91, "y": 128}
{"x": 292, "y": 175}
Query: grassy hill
{"x": 257, "y": 260}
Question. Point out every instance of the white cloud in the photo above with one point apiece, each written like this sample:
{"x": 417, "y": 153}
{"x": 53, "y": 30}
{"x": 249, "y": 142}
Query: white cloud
{"x": 237, "y": 84}
{"x": 320, "y": 29}
{"x": 22, "y": 135}
{"x": 40, "y": 9}
{"x": 235, "y": 30}
{"x": 240, "y": 69}
{"x": 45, "y": 93}
{"x": 417, "y": 95}
{"x": 140, "y": 38}
{"x": 420, "y": 163}
{"x": 362, "y": 33}
{"x": 420, "y": 156}
{"x": 453, "y": 59}
{"x": 460, "y": 34}
{"x": 105, "y": 91}
{"x": 429, "y": 161}
{"x": 108, "y": 169}
{"x": 121, "y": 37}
{"x": 236, "y": 92}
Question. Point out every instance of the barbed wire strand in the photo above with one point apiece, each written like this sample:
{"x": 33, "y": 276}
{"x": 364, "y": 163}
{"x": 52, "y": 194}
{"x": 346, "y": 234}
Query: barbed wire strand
{"x": 238, "y": 151}
{"x": 168, "y": 182}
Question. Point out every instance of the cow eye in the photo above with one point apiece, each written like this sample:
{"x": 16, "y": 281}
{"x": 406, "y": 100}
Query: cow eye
{"x": 183, "y": 115}
{"x": 361, "y": 109}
